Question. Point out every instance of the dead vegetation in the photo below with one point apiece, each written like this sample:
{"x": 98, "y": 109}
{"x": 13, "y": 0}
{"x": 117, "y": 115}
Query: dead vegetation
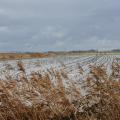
{"x": 14, "y": 56}
{"x": 38, "y": 97}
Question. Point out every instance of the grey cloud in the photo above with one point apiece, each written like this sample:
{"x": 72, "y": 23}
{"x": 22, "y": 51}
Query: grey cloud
{"x": 42, "y": 25}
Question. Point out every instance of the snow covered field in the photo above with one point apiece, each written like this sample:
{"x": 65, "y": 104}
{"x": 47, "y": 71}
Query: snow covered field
{"x": 70, "y": 64}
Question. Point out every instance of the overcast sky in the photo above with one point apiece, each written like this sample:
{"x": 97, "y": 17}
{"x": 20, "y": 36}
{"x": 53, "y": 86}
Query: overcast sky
{"x": 47, "y": 25}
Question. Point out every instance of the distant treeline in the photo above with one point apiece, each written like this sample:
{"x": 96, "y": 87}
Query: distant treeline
{"x": 116, "y": 50}
{"x": 85, "y": 51}
{"x": 73, "y": 51}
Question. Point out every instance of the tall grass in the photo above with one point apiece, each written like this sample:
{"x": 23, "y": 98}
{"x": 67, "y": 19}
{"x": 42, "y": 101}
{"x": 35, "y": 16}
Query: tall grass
{"x": 39, "y": 97}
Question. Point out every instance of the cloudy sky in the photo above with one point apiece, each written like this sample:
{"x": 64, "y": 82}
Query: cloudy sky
{"x": 47, "y": 25}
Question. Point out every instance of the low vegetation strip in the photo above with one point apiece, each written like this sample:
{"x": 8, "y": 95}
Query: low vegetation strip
{"x": 14, "y": 56}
